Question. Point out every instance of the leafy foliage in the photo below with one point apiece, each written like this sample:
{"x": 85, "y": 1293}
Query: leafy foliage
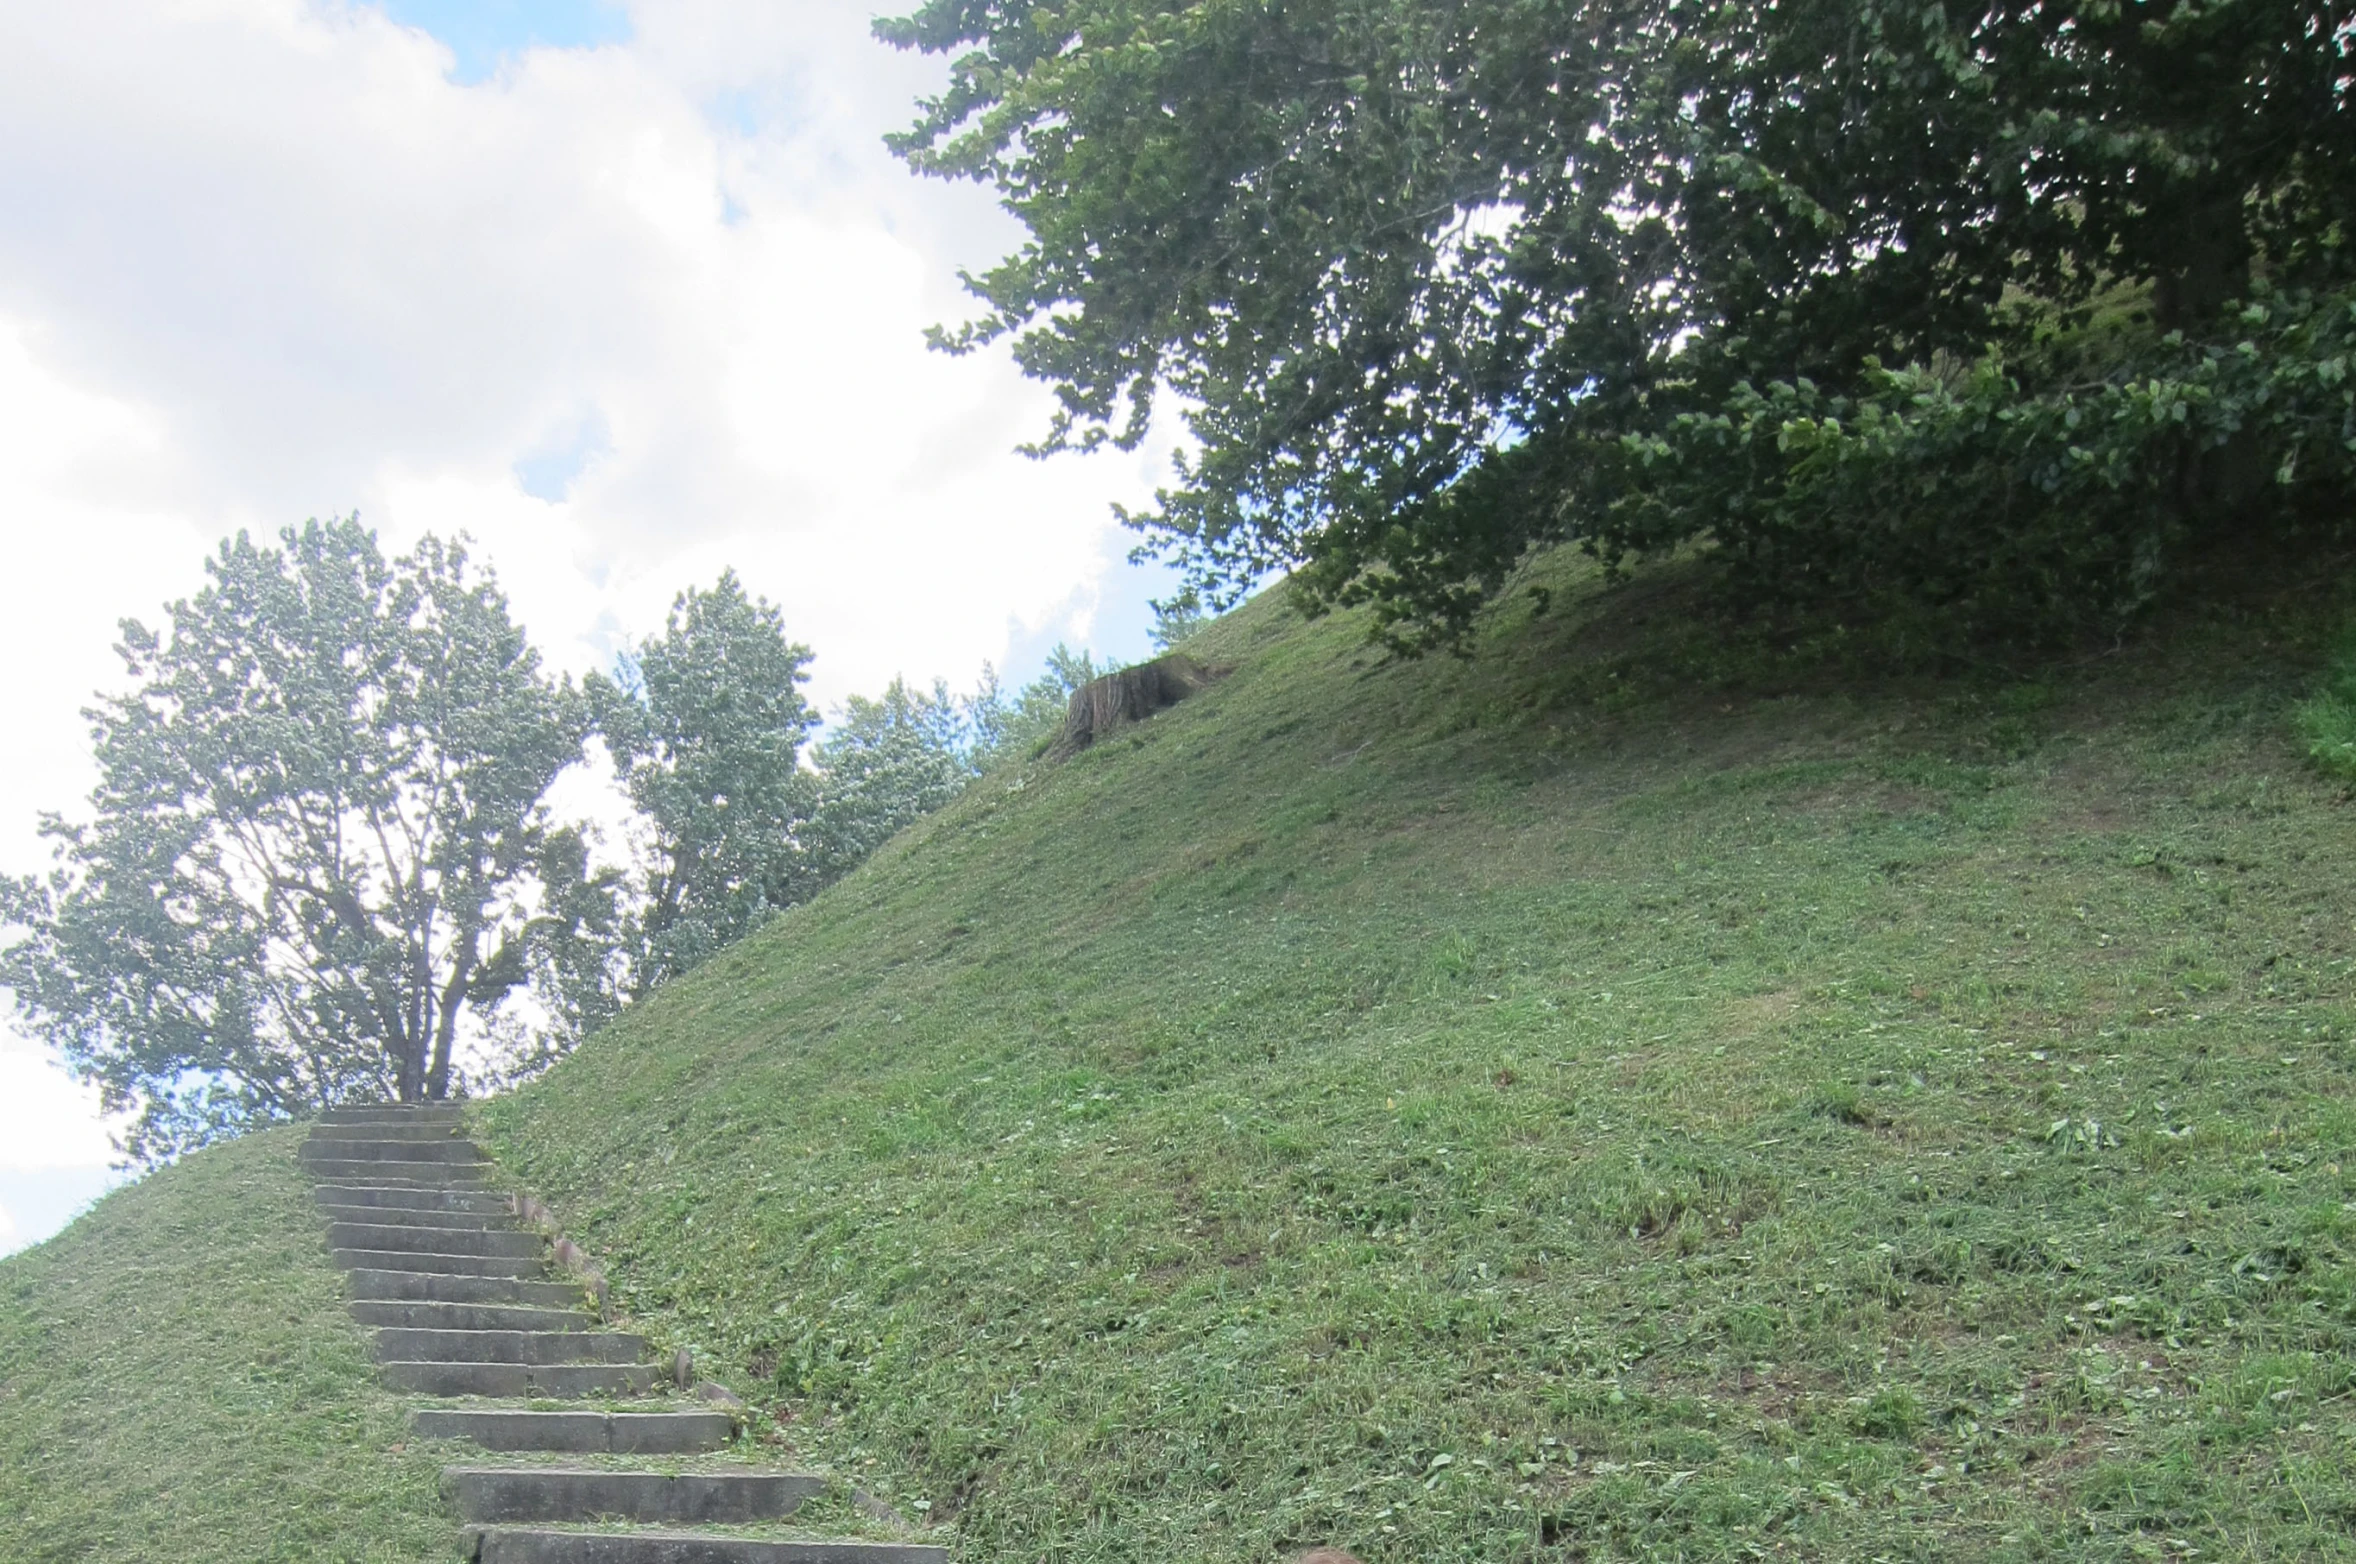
{"x": 319, "y": 851}
{"x": 705, "y": 726}
{"x": 2326, "y": 721}
{"x": 891, "y": 760}
{"x": 2061, "y": 499}
{"x": 1416, "y": 270}
{"x": 1004, "y": 727}
{"x": 887, "y": 762}
{"x": 1178, "y": 621}
{"x": 321, "y": 865}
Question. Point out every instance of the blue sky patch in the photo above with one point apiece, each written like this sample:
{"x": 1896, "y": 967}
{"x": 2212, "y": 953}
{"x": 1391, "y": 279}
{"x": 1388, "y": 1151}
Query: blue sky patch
{"x": 484, "y": 32}
{"x": 547, "y": 473}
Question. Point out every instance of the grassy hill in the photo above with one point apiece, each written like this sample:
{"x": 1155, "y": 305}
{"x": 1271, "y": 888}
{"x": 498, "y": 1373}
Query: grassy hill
{"x": 179, "y": 1381}
{"x": 1636, "y": 1092}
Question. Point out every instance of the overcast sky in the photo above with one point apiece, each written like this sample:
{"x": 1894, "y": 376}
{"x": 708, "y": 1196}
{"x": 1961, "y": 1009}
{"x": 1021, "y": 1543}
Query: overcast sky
{"x": 628, "y": 292}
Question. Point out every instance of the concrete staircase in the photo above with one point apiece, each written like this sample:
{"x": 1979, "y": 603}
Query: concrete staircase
{"x": 465, "y": 1309}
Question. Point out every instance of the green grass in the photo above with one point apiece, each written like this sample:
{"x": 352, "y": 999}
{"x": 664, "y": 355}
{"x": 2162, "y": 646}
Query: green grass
{"x": 1642, "y": 1091}
{"x": 2327, "y": 719}
{"x": 179, "y": 1381}
{"x": 1624, "y": 1095}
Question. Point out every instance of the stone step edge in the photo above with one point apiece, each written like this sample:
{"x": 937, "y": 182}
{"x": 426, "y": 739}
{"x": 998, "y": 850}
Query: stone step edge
{"x": 414, "y": 1262}
{"x": 448, "y": 1221}
{"x": 361, "y": 1118}
{"x": 539, "y": 1545}
{"x": 513, "y": 1381}
{"x": 377, "y": 1286}
{"x": 536, "y": 1214}
{"x": 520, "y": 1431}
{"x": 577, "y": 1495}
{"x": 524, "y": 1348}
{"x": 483, "y": 1243}
{"x": 434, "y": 1314}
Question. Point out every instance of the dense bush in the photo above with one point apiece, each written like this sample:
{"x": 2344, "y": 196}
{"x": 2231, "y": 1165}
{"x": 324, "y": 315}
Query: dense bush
{"x": 1432, "y": 283}
{"x": 2022, "y": 505}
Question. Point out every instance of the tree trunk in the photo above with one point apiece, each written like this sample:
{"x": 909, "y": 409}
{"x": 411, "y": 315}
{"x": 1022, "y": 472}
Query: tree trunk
{"x": 437, "y": 1076}
{"x": 1131, "y": 695}
{"x": 407, "y": 1071}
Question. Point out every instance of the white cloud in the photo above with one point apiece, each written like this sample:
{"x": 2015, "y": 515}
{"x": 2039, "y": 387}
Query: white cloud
{"x": 51, "y": 1120}
{"x": 627, "y": 314}
{"x": 8, "y": 1239}
{"x": 322, "y": 275}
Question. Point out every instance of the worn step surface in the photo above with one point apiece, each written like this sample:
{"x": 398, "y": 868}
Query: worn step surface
{"x": 392, "y": 1112}
{"x": 440, "y": 1264}
{"x": 409, "y": 1197}
{"x": 433, "y": 1287}
{"x": 415, "y": 1315}
{"x": 441, "y": 1149}
{"x": 327, "y": 1135}
{"x": 529, "y": 1545}
{"x": 493, "y": 1241}
{"x": 522, "y": 1493}
{"x": 578, "y": 1433}
{"x": 408, "y": 1175}
{"x": 400, "y": 1343}
{"x": 556, "y": 1381}
{"x": 462, "y": 1305}
{"x": 407, "y": 1216}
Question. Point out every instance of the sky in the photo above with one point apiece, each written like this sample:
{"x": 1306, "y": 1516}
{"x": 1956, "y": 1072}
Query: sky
{"x": 629, "y": 293}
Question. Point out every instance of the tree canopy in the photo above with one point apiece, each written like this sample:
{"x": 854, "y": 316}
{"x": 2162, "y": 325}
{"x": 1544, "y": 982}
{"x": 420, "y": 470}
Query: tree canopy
{"x": 321, "y": 864}
{"x": 319, "y": 849}
{"x": 1434, "y": 282}
{"x": 705, "y": 725}
{"x": 886, "y": 762}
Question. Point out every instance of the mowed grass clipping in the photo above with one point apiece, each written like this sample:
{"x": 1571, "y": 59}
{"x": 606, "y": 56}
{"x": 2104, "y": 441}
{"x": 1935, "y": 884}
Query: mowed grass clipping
{"x": 179, "y": 1381}
{"x": 1637, "y": 1092}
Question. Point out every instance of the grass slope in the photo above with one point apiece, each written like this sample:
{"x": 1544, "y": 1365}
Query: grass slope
{"x": 179, "y": 1381}
{"x": 1617, "y": 1096}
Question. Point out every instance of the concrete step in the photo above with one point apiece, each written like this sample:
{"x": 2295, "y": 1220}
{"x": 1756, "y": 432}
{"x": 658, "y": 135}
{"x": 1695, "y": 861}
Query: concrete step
{"x": 530, "y": 1545}
{"x": 557, "y": 1381}
{"x": 524, "y": 1493}
{"x": 518, "y": 1268}
{"x": 428, "y": 1130}
{"x": 581, "y": 1433}
{"x": 446, "y": 1149}
{"x": 393, "y": 1113}
{"x": 407, "y": 1197}
{"x": 407, "y": 1175}
{"x": 468, "y": 1316}
{"x": 408, "y": 1344}
{"x": 375, "y": 1286}
{"x": 408, "y": 1216}
{"x": 435, "y": 1240}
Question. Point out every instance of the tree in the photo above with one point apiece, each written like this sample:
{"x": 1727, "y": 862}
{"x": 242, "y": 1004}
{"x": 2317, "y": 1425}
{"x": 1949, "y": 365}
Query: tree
{"x": 319, "y": 854}
{"x": 1437, "y": 282}
{"x": 1002, "y": 727}
{"x": 705, "y": 727}
{"x": 885, "y": 763}
{"x": 1178, "y": 621}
